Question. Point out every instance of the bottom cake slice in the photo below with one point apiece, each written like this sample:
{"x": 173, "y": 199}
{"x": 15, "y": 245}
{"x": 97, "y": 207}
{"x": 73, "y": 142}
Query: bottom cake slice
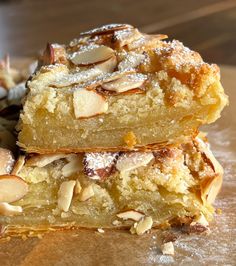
{"x": 174, "y": 185}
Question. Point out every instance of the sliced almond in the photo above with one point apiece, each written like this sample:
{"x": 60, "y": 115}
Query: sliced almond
{"x": 6, "y": 161}
{"x": 92, "y": 55}
{"x": 108, "y": 66}
{"x": 131, "y": 61}
{"x": 7, "y": 209}
{"x": 18, "y": 165}
{"x": 86, "y": 193}
{"x": 54, "y": 53}
{"x": 142, "y": 226}
{"x": 168, "y": 248}
{"x": 106, "y": 29}
{"x": 130, "y": 215}
{"x": 146, "y": 42}
{"x": 132, "y": 160}
{"x": 65, "y": 195}
{"x": 99, "y": 165}
{"x": 204, "y": 148}
{"x": 124, "y": 37}
{"x": 12, "y": 188}
{"x": 211, "y": 188}
{"x": 125, "y": 83}
{"x": 73, "y": 166}
{"x": 88, "y": 103}
{"x": 43, "y": 160}
{"x": 77, "y": 78}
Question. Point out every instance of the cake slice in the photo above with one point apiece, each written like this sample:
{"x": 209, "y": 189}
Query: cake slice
{"x": 116, "y": 89}
{"x": 165, "y": 187}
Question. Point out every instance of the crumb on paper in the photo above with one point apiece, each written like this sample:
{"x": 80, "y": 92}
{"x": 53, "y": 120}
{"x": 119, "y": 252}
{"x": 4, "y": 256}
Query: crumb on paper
{"x": 218, "y": 211}
{"x": 100, "y": 230}
{"x": 168, "y": 248}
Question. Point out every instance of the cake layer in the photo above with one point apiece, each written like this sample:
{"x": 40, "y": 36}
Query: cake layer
{"x": 114, "y": 89}
{"x": 110, "y": 190}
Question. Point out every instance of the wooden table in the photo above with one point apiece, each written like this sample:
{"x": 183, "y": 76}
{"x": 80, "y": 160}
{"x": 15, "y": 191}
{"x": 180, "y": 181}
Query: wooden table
{"x": 208, "y": 26}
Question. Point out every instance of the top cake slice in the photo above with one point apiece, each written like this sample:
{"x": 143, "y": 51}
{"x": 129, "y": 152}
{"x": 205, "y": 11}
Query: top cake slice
{"x": 115, "y": 88}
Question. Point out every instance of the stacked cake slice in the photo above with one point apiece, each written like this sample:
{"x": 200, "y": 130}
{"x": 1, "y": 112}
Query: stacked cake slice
{"x": 110, "y": 132}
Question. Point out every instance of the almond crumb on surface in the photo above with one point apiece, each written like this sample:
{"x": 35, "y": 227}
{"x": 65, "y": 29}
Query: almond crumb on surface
{"x": 142, "y": 226}
{"x": 219, "y": 211}
{"x": 100, "y": 230}
{"x": 168, "y": 248}
{"x": 130, "y": 139}
{"x": 116, "y": 222}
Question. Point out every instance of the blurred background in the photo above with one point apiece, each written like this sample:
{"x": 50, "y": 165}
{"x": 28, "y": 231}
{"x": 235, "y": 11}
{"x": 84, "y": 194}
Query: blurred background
{"x": 208, "y": 26}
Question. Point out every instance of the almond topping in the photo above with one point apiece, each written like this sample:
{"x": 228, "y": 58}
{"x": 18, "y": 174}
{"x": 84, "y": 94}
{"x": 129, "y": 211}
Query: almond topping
{"x": 99, "y": 165}
{"x": 88, "y": 103}
{"x": 12, "y": 188}
{"x": 131, "y": 61}
{"x": 9, "y": 210}
{"x": 125, "y": 83}
{"x": 65, "y": 195}
{"x": 204, "y": 149}
{"x": 130, "y": 215}
{"x": 18, "y": 165}
{"x": 124, "y": 37}
{"x": 54, "y": 53}
{"x": 132, "y": 160}
{"x": 200, "y": 220}
{"x": 168, "y": 248}
{"x": 108, "y": 66}
{"x": 106, "y": 29}
{"x": 142, "y": 226}
{"x": 6, "y": 161}
{"x": 43, "y": 160}
{"x": 92, "y": 55}
{"x": 86, "y": 193}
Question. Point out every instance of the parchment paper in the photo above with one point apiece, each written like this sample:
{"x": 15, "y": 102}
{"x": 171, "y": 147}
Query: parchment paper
{"x": 85, "y": 247}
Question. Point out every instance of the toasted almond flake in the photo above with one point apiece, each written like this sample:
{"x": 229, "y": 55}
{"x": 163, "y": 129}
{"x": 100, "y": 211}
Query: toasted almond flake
{"x": 131, "y": 61}
{"x": 132, "y": 160}
{"x": 106, "y": 29}
{"x": 43, "y": 160}
{"x": 18, "y": 165}
{"x": 92, "y": 55}
{"x": 88, "y": 103}
{"x": 212, "y": 188}
{"x": 6, "y": 161}
{"x": 65, "y": 195}
{"x": 54, "y": 53}
{"x": 7, "y": 209}
{"x": 77, "y": 78}
{"x": 86, "y": 193}
{"x": 73, "y": 166}
{"x": 143, "y": 225}
{"x": 107, "y": 66}
{"x": 100, "y": 230}
{"x": 126, "y": 36}
{"x": 125, "y": 83}
{"x": 168, "y": 248}
{"x": 130, "y": 215}
{"x": 12, "y": 188}
{"x": 78, "y": 187}
{"x": 204, "y": 148}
